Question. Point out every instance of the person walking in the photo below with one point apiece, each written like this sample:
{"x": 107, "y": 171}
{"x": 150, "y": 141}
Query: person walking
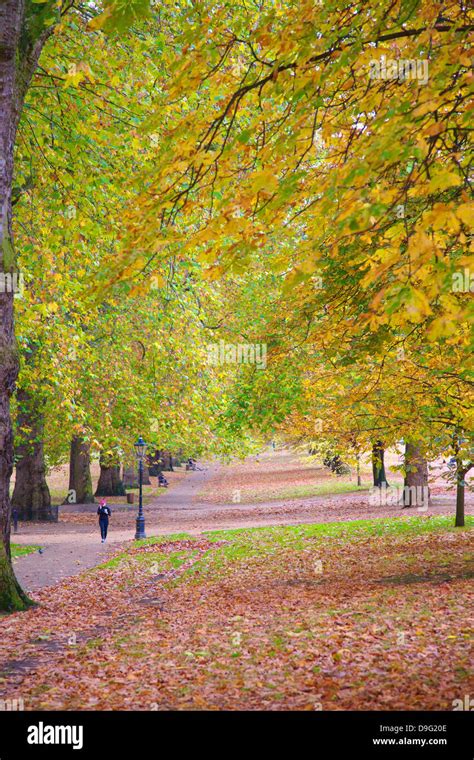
{"x": 104, "y": 513}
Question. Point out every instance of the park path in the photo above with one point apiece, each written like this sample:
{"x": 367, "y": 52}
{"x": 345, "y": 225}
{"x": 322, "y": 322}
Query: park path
{"x": 69, "y": 549}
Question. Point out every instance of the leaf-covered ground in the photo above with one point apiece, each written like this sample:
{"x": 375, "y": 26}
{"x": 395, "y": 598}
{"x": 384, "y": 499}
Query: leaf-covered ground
{"x": 362, "y": 615}
{"x": 283, "y": 475}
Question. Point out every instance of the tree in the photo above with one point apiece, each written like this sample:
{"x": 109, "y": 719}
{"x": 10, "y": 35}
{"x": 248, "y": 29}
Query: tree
{"x": 291, "y": 143}
{"x": 378, "y": 464}
{"x": 415, "y": 491}
{"x": 110, "y": 483}
{"x": 130, "y": 477}
{"x": 23, "y": 31}
{"x": 462, "y": 468}
{"x": 31, "y": 497}
{"x": 25, "y": 26}
{"x": 80, "y": 481}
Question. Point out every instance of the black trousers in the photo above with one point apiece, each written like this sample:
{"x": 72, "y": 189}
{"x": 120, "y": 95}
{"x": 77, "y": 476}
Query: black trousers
{"x": 104, "y": 524}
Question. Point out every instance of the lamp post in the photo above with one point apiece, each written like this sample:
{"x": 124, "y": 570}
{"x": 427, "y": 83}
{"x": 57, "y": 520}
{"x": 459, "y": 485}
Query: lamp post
{"x": 140, "y": 449}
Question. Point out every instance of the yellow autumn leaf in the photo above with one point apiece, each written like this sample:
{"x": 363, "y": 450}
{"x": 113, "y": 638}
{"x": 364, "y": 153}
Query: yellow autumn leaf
{"x": 434, "y": 129}
{"x": 465, "y": 213}
{"x": 417, "y": 305}
{"x": 444, "y": 179}
{"x": 213, "y": 273}
{"x": 264, "y": 180}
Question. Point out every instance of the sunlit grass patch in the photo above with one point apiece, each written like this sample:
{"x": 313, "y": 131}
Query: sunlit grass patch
{"x": 249, "y": 543}
{"x": 20, "y": 551}
{"x": 307, "y": 490}
{"x": 184, "y": 558}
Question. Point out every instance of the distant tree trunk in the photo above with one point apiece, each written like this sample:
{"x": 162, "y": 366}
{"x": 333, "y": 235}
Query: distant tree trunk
{"x": 460, "y": 521}
{"x": 163, "y": 461}
{"x": 146, "y": 476}
{"x": 130, "y": 477}
{"x": 178, "y": 458}
{"x": 31, "y": 495}
{"x": 378, "y": 464}
{"x": 80, "y": 481}
{"x": 415, "y": 491}
{"x": 461, "y": 473}
{"x": 462, "y": 468}
{"x": 110, "y": 482}
{"x": 156, "y": 462}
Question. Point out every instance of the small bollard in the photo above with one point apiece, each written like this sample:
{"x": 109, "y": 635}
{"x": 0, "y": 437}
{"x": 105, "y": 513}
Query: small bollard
{"x": 15, "y": 520}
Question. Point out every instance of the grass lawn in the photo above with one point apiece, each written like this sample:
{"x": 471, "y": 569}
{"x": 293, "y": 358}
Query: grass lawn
{"x": 359, "y": 615}
{"x": 309, "y": 489}
{"x": 20, "y": 551}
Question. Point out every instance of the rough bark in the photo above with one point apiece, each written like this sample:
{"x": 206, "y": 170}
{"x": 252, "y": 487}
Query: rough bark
{"x": 415, "y": 491}
{"x": 80, "y": 481}
{"x": 110, "y": 483}
{"x": 20, "y": 46}
{"x": 378, "y": 464}
{"x": 31, "y": 497}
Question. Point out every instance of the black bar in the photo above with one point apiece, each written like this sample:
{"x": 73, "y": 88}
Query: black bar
{"x": 215, "y": 734}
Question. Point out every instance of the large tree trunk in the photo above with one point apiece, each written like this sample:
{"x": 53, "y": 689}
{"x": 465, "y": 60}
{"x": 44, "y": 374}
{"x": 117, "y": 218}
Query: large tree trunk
{"x": 80, "y": 481}
{"x": 20, "y": 47}
{"x": 110, "y": 482}
{"x": 378, "y": 464}
{"x": 415, "y": 491}
{"x": 31, "y": 497}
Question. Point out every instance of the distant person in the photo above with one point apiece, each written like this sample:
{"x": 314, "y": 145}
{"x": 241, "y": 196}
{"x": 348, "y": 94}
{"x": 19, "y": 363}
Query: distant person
{"x": 162, "y": 482}
{"x": 191, "y": 464}
{"x": 104, "y": 513}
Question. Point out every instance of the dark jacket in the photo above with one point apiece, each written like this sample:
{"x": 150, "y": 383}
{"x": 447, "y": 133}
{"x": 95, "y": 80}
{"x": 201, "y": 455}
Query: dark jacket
{"x": 104, "y": 512}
